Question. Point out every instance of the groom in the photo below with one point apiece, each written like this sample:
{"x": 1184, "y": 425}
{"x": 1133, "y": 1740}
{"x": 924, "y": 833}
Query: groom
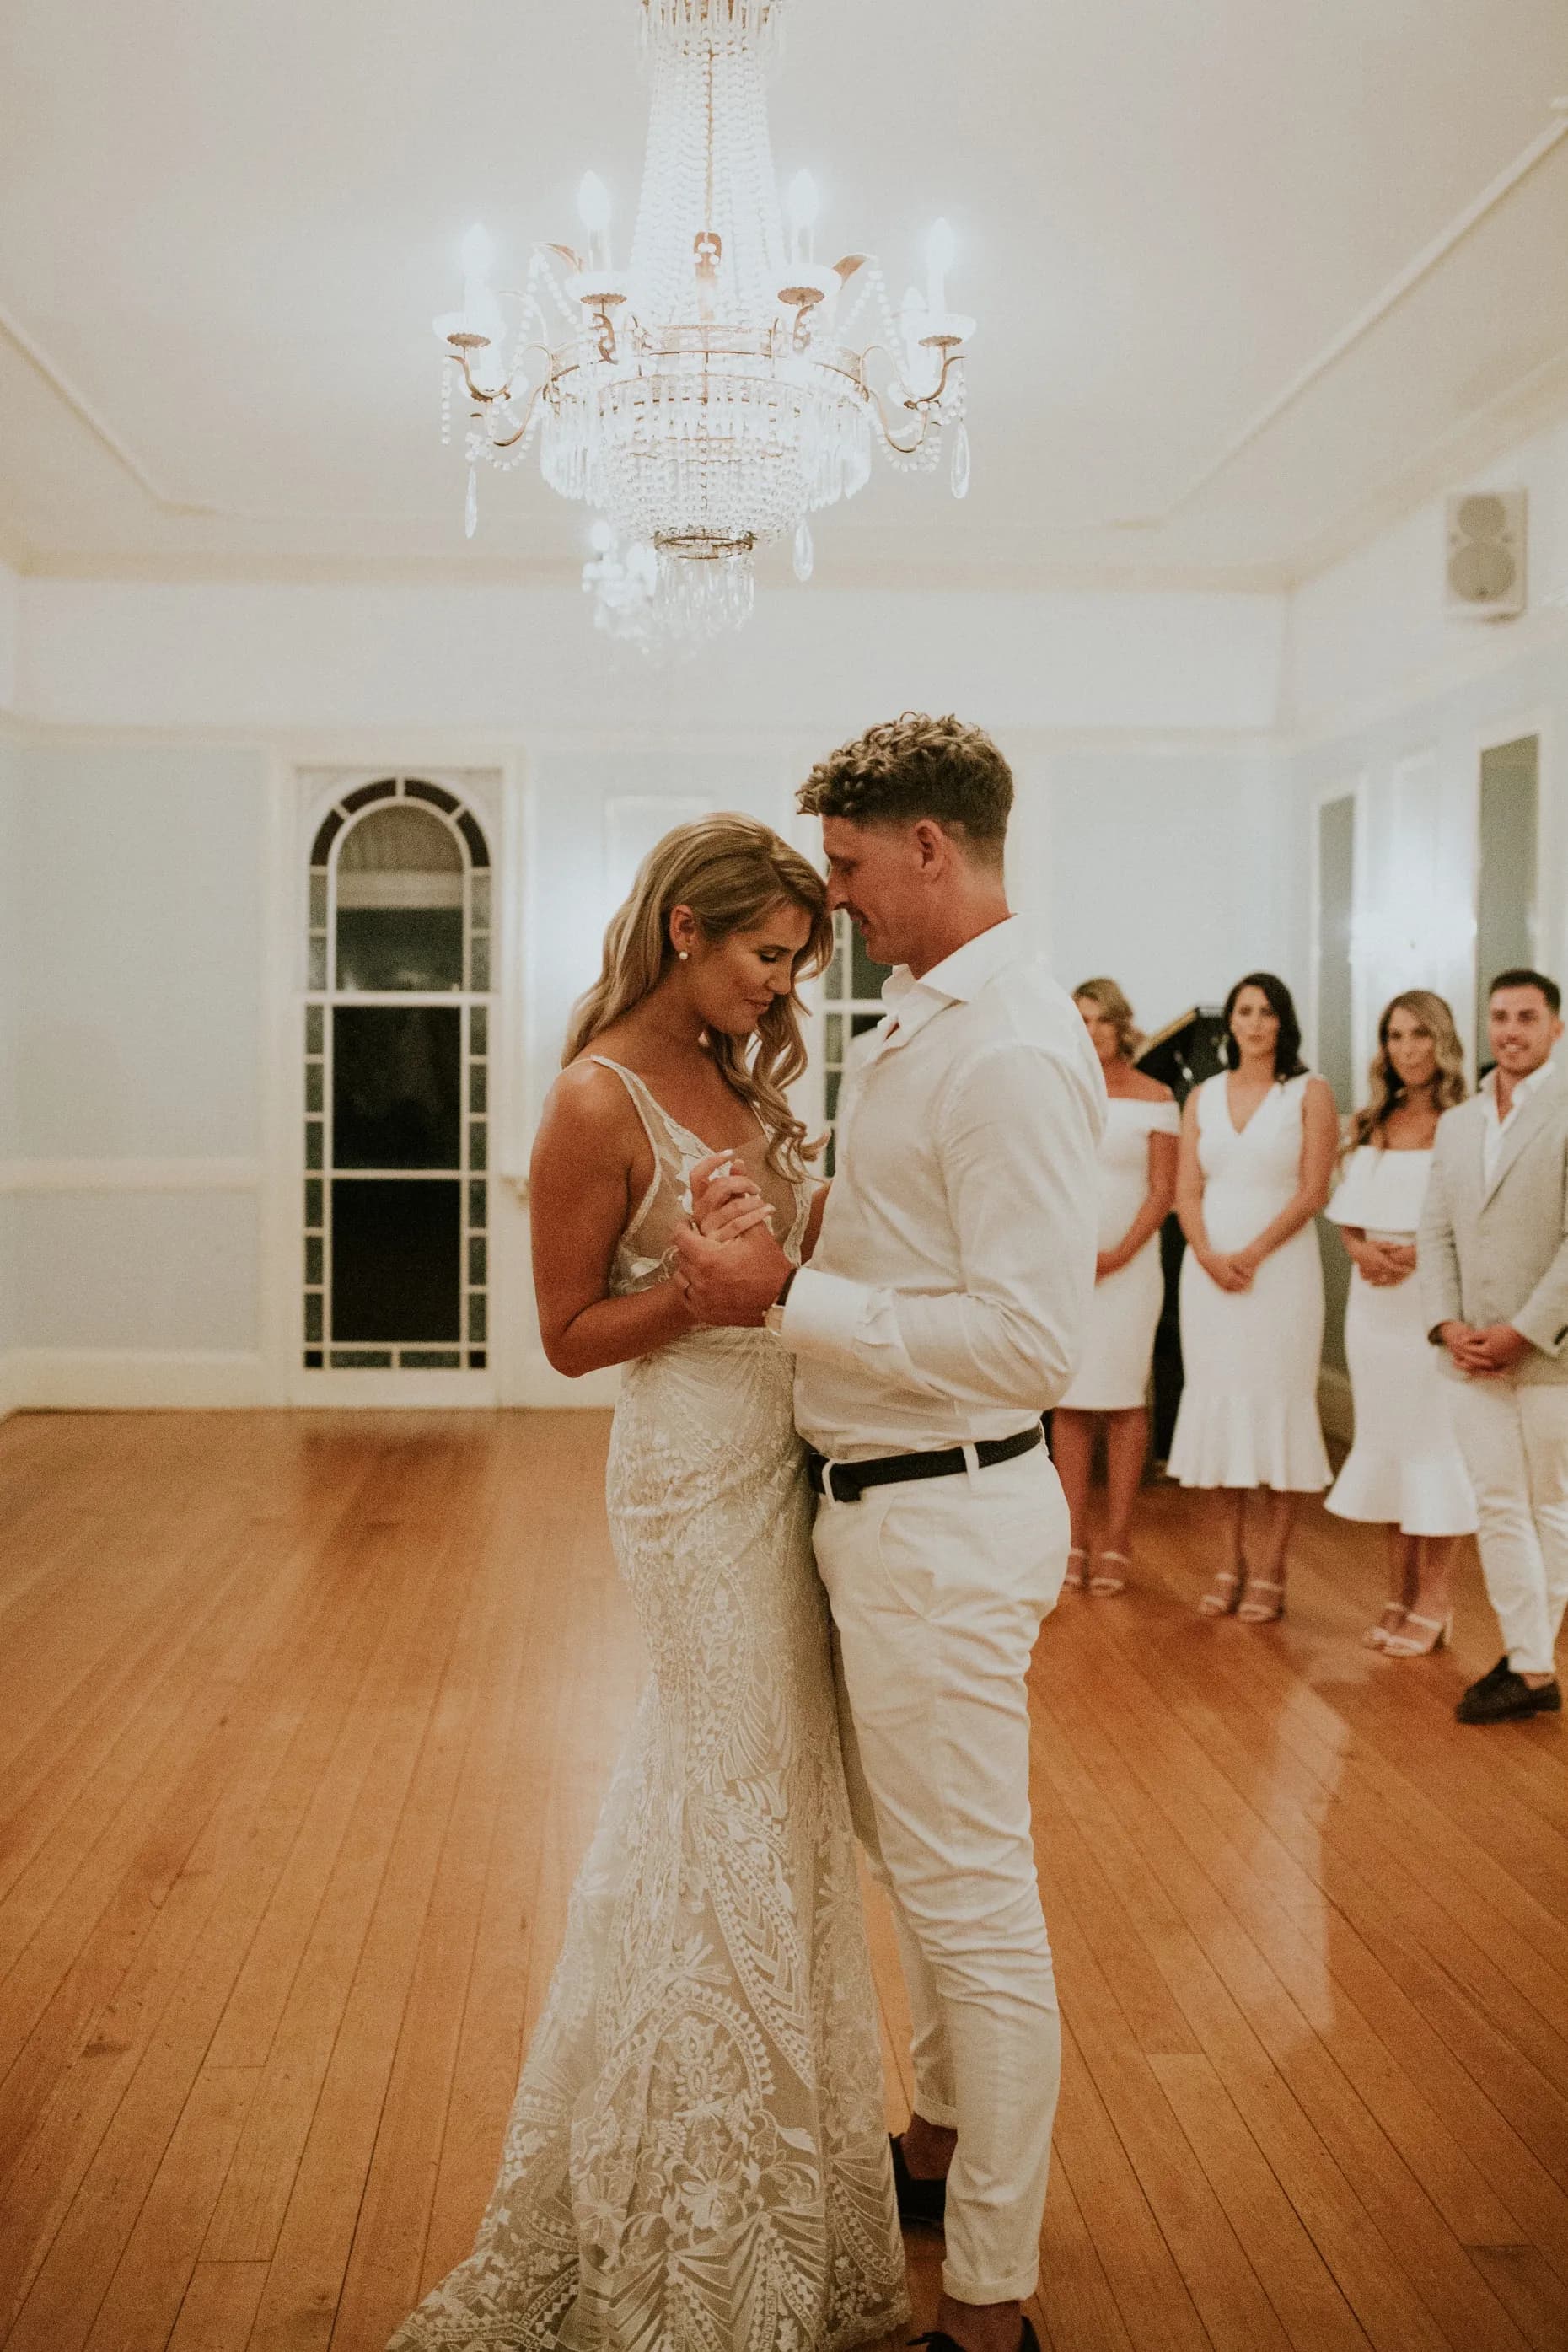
{"x": 939, "y": 1317}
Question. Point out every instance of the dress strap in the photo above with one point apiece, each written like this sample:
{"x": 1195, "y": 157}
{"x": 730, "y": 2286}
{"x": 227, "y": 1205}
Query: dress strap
{"x": 665, "y": 1134}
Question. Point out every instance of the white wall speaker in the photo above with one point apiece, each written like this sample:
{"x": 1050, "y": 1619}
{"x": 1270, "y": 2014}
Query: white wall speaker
{"x": 1484, "y": 577}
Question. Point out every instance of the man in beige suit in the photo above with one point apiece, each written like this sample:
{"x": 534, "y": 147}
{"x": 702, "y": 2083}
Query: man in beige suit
{"x": 1492, "y": 1260}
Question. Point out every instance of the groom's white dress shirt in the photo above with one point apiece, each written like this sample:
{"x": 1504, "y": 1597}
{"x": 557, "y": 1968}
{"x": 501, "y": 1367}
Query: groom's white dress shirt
{"x": 948, "y": 1292}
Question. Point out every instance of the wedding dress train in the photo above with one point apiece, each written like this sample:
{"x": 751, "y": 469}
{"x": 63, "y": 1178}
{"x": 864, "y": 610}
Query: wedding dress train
{"x": 697, "y": 2160}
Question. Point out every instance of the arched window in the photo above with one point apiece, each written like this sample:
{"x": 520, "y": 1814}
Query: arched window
{"x": 397, "y": 1037}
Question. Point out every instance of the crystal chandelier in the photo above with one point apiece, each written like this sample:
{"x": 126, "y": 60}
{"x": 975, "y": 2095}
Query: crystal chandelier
{"x": 708, "y": 394}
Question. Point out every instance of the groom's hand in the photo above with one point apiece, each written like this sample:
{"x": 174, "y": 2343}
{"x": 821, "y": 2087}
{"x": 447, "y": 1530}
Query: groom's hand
{"x": 729, "y": 1283}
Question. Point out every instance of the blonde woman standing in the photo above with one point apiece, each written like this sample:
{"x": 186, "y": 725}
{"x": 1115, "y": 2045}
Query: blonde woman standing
{"x": 697, "y": 2142}
{"x": 1137, "y": 1187}
{"x": 1404, "y": 1470}
{"x": 1258, "y": 1144}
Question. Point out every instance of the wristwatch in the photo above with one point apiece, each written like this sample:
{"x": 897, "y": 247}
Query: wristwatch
{"x": 773, "y": 1319}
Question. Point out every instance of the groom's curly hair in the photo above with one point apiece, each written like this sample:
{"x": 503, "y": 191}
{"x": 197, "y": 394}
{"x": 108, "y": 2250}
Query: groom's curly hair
{"x": 914, "y": 767}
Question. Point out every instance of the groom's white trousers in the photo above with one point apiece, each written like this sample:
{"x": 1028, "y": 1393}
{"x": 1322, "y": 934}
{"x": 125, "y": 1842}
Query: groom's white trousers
{"x": 937, "y": 1588}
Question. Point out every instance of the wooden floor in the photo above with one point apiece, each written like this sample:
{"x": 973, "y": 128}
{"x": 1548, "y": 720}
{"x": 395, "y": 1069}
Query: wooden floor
{"x": 304, "y": 1724}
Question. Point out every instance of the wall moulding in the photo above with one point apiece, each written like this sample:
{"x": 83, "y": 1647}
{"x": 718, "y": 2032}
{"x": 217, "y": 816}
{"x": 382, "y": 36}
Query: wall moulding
{"x": 129, "y": 1175}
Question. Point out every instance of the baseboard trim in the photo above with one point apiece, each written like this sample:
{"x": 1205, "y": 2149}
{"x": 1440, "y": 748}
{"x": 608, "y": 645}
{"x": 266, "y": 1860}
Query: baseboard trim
{"x": 196, "y": 1380}
{"x": 1334, "y": 1406}
{"x": 135, "y": 1379}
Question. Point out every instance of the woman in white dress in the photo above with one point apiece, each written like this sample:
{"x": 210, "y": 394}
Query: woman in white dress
{"x": 697, "y": 2156}
{"x": 1137, "y": 1187}
{"x": 1256, "y": 1159}
{"x": 1405, "y": 1469}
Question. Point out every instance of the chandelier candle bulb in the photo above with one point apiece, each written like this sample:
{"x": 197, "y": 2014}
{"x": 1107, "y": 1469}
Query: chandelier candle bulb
{"x": 593, "y": 211}
{"x": 941, "y": 248}
{"x": 804, "y": 204}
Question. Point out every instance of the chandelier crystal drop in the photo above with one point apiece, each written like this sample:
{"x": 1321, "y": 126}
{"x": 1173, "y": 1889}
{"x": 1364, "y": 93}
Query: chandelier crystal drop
{"x": 707, "y": 394}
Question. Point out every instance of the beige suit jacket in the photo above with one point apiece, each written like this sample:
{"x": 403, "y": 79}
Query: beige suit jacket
{"x": 1499, "y": 1253}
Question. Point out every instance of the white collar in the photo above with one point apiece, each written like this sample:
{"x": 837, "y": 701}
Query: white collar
{"x": 1523, "y": 1089}
{"x": 958, "y": 977}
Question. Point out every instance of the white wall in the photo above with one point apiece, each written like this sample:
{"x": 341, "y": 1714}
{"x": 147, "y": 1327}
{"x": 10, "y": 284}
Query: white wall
{"x": 151, "y": 1191}
{"x": 128, "y": 654}
{"x": 1392, "y": 695}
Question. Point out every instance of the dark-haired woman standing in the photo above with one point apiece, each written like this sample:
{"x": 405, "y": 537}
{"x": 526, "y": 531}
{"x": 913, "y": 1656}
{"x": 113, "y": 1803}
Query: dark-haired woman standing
{"x": 1256, "y": 1157}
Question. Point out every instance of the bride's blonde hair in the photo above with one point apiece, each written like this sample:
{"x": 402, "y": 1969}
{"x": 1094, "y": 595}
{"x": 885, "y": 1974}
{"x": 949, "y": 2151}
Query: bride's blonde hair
{"x": 732, "y": 872}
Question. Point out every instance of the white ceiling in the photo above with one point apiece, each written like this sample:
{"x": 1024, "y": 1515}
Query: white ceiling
{"x": 223, "y": 228}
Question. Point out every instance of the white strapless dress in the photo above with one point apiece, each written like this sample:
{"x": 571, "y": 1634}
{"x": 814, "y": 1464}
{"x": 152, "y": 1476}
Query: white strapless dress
{"x": 1405, "y": 1469}
{"x": 1112, "y": 1375}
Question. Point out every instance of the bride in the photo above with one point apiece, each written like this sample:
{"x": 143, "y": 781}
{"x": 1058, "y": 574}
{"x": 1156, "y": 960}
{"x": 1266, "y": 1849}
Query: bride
{"x": 697, "y": 2160}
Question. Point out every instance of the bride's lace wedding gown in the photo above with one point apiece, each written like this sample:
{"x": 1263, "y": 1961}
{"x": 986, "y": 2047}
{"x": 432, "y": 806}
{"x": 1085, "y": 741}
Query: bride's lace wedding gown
{"x": 697, "y": 2160}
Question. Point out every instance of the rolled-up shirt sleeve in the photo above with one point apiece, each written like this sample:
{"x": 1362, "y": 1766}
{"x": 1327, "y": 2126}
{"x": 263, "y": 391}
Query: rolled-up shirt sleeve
{"x": 1017, "y": 1128}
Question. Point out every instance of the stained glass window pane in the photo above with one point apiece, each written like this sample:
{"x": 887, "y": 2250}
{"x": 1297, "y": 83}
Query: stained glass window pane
{"x": 332, "y": 825}
{"x": 476, "y": 1316}
{"x": 478, "y": 849}
{"x": 833, "y": 979}
{"x": 480, "y": 886}
{"x": 318, "y": 902}
{"x": 868, "y": 975}
{"x": 431, "y": 1359}
{"x": 314, "y": 1254}
{"x": 314, "y": 1082}
{"x": 400, "y": 903}
{"x": 315, "y": 1028}
{"x": 313, "y": 1314}
{"x": 477, "y": 1085}
{"x": 481, "y": 961}
{"x": 831, "y": 1095}
{"x": 396, "y": 1086}
{"x": 477, "y": 1360}
{"x": 397, "y": 1265}
{"x": 476, "y": 1260}
{"x": 368, "y": 792}
{"x": 834, "y": 1040}
{"x": 313, "y": 1144}
{"x": 317, "y": 976}
{"x": 431, "y": 793}
{"x": 480, "y": 1029}
{"x": 478, "y": 1144}
{"x": 479, "y": 1205}
{"x": 312, "y": 1201}
{"x": 313, "y": 1359}
{"x": 361, "y": 1359}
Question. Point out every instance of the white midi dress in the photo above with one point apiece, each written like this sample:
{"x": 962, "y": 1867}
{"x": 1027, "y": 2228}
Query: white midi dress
{"x": 1249, "y": 1414}
{"x": 1112, "y": 1373}
{"x": 1405, "y": 1469}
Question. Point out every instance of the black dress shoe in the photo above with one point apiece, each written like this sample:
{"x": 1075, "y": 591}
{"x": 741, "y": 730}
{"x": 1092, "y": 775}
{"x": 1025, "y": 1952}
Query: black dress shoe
{"x": 1507, "y": 1697}
{"x": 919, "y": 2200}
{"x": 1028, "y": 2342}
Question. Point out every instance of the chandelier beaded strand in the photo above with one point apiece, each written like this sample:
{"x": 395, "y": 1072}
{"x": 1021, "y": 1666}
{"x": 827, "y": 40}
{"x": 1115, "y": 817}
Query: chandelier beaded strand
{"x": 706, "y": 396}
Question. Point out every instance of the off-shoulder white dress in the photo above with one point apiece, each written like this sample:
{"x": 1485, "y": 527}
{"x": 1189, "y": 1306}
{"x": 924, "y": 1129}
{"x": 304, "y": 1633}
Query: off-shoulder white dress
{"x": 1112, "y": 1375}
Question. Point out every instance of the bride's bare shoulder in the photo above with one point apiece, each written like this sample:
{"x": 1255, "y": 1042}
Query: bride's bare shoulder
{"x": 587, "y": 1105}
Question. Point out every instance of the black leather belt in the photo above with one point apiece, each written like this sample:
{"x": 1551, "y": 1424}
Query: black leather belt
{"x": 850, "y": 1479}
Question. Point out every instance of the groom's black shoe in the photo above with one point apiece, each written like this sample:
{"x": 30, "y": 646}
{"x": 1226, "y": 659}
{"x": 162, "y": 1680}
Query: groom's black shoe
{"x": 919, "y": 2200}
{"x": 1028, "y": 2342}
{"x": 1503, "y": 1696}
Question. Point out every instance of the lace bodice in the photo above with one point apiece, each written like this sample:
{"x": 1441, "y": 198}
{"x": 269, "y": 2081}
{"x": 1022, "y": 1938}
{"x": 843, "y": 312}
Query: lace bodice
{"x": 643, "y": 1251}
